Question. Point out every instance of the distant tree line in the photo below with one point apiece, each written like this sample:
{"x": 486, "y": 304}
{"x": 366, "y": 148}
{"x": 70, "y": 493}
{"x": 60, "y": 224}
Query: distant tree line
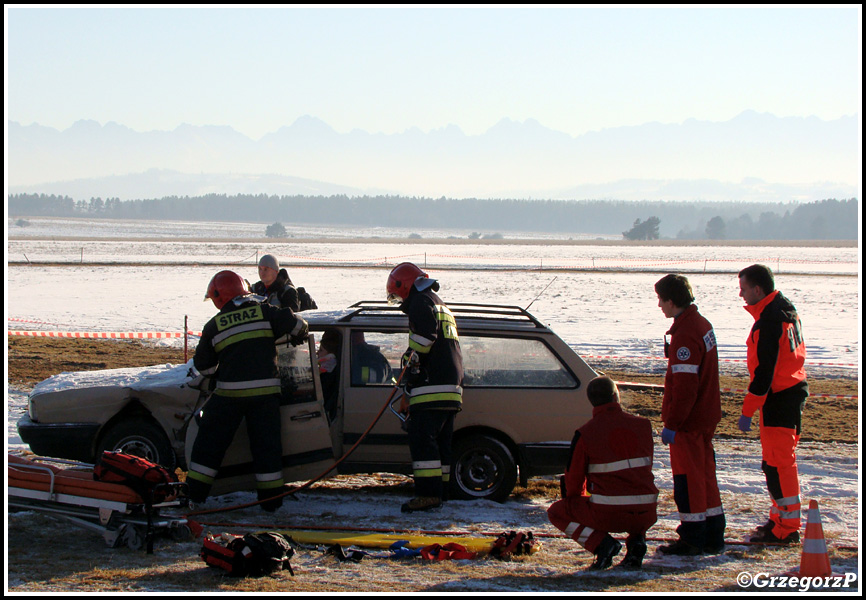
{"x": 825, "y": 219}
{"x": 643, "y": 230}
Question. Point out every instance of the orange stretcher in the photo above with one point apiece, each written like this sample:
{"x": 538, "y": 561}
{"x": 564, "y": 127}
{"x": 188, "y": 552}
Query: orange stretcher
{"x": 115, "y": 511}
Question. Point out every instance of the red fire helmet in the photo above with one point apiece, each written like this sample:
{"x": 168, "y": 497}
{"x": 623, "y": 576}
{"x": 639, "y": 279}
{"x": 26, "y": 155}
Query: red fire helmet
{"x": 400, "y": 280}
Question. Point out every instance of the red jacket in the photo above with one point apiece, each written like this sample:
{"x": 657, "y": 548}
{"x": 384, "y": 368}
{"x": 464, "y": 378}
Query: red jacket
{"x": 692, "y": 400}
{"x": 775, "y": 350}
{"x": 611, "y": 460}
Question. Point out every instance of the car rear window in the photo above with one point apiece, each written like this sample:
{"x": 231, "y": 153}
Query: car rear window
{"x": 512, "y": 362}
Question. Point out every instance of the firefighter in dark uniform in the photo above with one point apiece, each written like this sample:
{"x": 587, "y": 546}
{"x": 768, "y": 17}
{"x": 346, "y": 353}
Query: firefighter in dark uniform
{"x": 775, "y": 356}
{"x": 237, "y": 349}
{"x": 434, "y": 380}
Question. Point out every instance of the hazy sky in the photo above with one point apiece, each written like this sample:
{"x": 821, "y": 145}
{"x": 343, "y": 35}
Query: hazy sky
{"x": 388, "y": 69}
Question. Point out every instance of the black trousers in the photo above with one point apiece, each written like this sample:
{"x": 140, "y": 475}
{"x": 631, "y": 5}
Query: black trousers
{"x": 430, "y": 433}
{"x": 219, "y": 421}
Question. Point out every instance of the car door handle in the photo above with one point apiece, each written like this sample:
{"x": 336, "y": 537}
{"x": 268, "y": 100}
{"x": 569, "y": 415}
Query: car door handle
{"x": 307, "y": 416}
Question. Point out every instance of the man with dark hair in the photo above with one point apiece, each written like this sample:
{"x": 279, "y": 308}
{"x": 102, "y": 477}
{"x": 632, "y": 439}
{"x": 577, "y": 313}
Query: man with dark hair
{"x": 608, "y": 484}
{"x": 776, "y": 355}
{"x": 691, "y": 410}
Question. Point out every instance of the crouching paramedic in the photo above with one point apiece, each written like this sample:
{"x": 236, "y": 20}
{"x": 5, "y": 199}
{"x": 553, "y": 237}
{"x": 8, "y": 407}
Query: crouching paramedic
{"x": 238, "y": 350}
{"x": 608, "y": 484}
{"x": 434, "y": 382}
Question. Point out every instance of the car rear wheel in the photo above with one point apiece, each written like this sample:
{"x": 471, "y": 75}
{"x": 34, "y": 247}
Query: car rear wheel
{"x": 483, "y": 467}
{"x": 139, "y": 438}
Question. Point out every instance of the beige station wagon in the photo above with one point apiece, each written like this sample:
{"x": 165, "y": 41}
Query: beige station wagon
{"x": 524, "y": 395}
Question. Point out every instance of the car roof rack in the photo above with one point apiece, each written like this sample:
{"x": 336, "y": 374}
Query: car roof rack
{"x": 464, "y": 310}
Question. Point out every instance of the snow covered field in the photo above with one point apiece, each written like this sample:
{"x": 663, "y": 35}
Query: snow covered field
{"x": 829, "y": 474}
{"x": 598, "y": 313}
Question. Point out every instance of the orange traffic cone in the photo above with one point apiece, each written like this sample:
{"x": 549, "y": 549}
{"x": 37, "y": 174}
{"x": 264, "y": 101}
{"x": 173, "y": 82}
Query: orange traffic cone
{"x": 815, "y": 561}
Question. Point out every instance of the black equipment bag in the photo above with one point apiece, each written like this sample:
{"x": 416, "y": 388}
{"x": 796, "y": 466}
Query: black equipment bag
{"x": 254, "y": 555}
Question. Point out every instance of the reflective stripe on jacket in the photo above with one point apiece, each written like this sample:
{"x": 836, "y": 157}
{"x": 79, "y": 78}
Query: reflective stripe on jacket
{"x": 611, "y": 460}
{"x": 433, "y": 335}
{"x": 775, "y": 350}
{"x": 692, "y": 399}
{"x": 239, "y": 343}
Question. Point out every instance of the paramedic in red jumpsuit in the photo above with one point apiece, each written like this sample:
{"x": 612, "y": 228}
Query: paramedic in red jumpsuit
{"x": 691, "y": 410}
{"x": 775, "y": 356}
{"x": 608, "y": 484}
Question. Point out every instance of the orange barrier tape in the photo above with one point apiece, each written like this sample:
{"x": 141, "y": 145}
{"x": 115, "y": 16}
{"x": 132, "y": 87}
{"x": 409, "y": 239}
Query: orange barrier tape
{"x": 107, "y": 335}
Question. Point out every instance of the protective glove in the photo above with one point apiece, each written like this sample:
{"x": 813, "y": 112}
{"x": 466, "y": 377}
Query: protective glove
{"x": 411, "y": 358}
{"x": 668, "y": 436}
{"x": 300, "y": 337}
{"x": 745, "y": 423}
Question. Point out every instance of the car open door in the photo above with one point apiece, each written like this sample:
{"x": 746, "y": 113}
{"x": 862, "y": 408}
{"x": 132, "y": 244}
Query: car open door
{"x": 307, "y": 449}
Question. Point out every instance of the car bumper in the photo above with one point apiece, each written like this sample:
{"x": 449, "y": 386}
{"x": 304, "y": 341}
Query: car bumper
{"x": 73, "y": 441}
{"x": 543, "y": 458}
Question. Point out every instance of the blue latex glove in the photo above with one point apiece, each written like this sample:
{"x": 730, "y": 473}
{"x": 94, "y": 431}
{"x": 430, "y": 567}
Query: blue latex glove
{"x": 668, "y": 436}
{"x": 745, "y": 423}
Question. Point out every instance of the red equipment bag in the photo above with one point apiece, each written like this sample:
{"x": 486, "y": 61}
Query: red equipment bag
{"x": 514, "y": 543}
{"x": 450, "y": 551}
{"x": 221, "y": 552}
{"x": 153, "y": 482}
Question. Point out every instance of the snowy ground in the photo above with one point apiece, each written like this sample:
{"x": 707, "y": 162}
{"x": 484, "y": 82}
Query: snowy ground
{"x": 829, "y": 473}
{"x": 597, "y": 313}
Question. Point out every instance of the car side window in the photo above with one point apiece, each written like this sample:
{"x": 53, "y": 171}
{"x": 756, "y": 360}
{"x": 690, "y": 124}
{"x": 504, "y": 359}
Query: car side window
{"x": 374, "y": 357}
{"x": 512, "y": 362}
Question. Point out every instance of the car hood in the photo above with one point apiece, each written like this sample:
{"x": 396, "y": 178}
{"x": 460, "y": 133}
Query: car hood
{"x": 135, "y": 378}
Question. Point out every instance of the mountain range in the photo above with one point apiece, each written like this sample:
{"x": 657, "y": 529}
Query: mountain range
{"x": 752, "y": 157}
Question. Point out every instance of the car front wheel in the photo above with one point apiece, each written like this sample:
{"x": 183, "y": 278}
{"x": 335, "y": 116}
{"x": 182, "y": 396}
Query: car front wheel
{"x": 482, "y": 468}
{"x": 139, "y": 438}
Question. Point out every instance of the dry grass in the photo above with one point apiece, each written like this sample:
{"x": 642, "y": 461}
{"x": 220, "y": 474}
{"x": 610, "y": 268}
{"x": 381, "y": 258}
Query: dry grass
{"x": 46, "y": 555}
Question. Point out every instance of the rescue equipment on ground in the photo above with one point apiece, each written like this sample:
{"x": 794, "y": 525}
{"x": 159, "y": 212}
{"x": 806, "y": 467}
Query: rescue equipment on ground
{"x": 450, "y": 551}
{"x": 113, "y": 510}
{"x": 250, "y": 555}
{"x": 504, "y": 546}
{"x": 151, "y": 481}
{"x": 514, "y": 543}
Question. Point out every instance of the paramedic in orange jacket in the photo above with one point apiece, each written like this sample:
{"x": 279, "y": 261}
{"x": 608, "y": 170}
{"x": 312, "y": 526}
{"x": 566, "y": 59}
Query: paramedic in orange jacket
{"x": 775, "y": 356}
{"x": 608, "y": 484}
{"x": 691, "y": 410}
